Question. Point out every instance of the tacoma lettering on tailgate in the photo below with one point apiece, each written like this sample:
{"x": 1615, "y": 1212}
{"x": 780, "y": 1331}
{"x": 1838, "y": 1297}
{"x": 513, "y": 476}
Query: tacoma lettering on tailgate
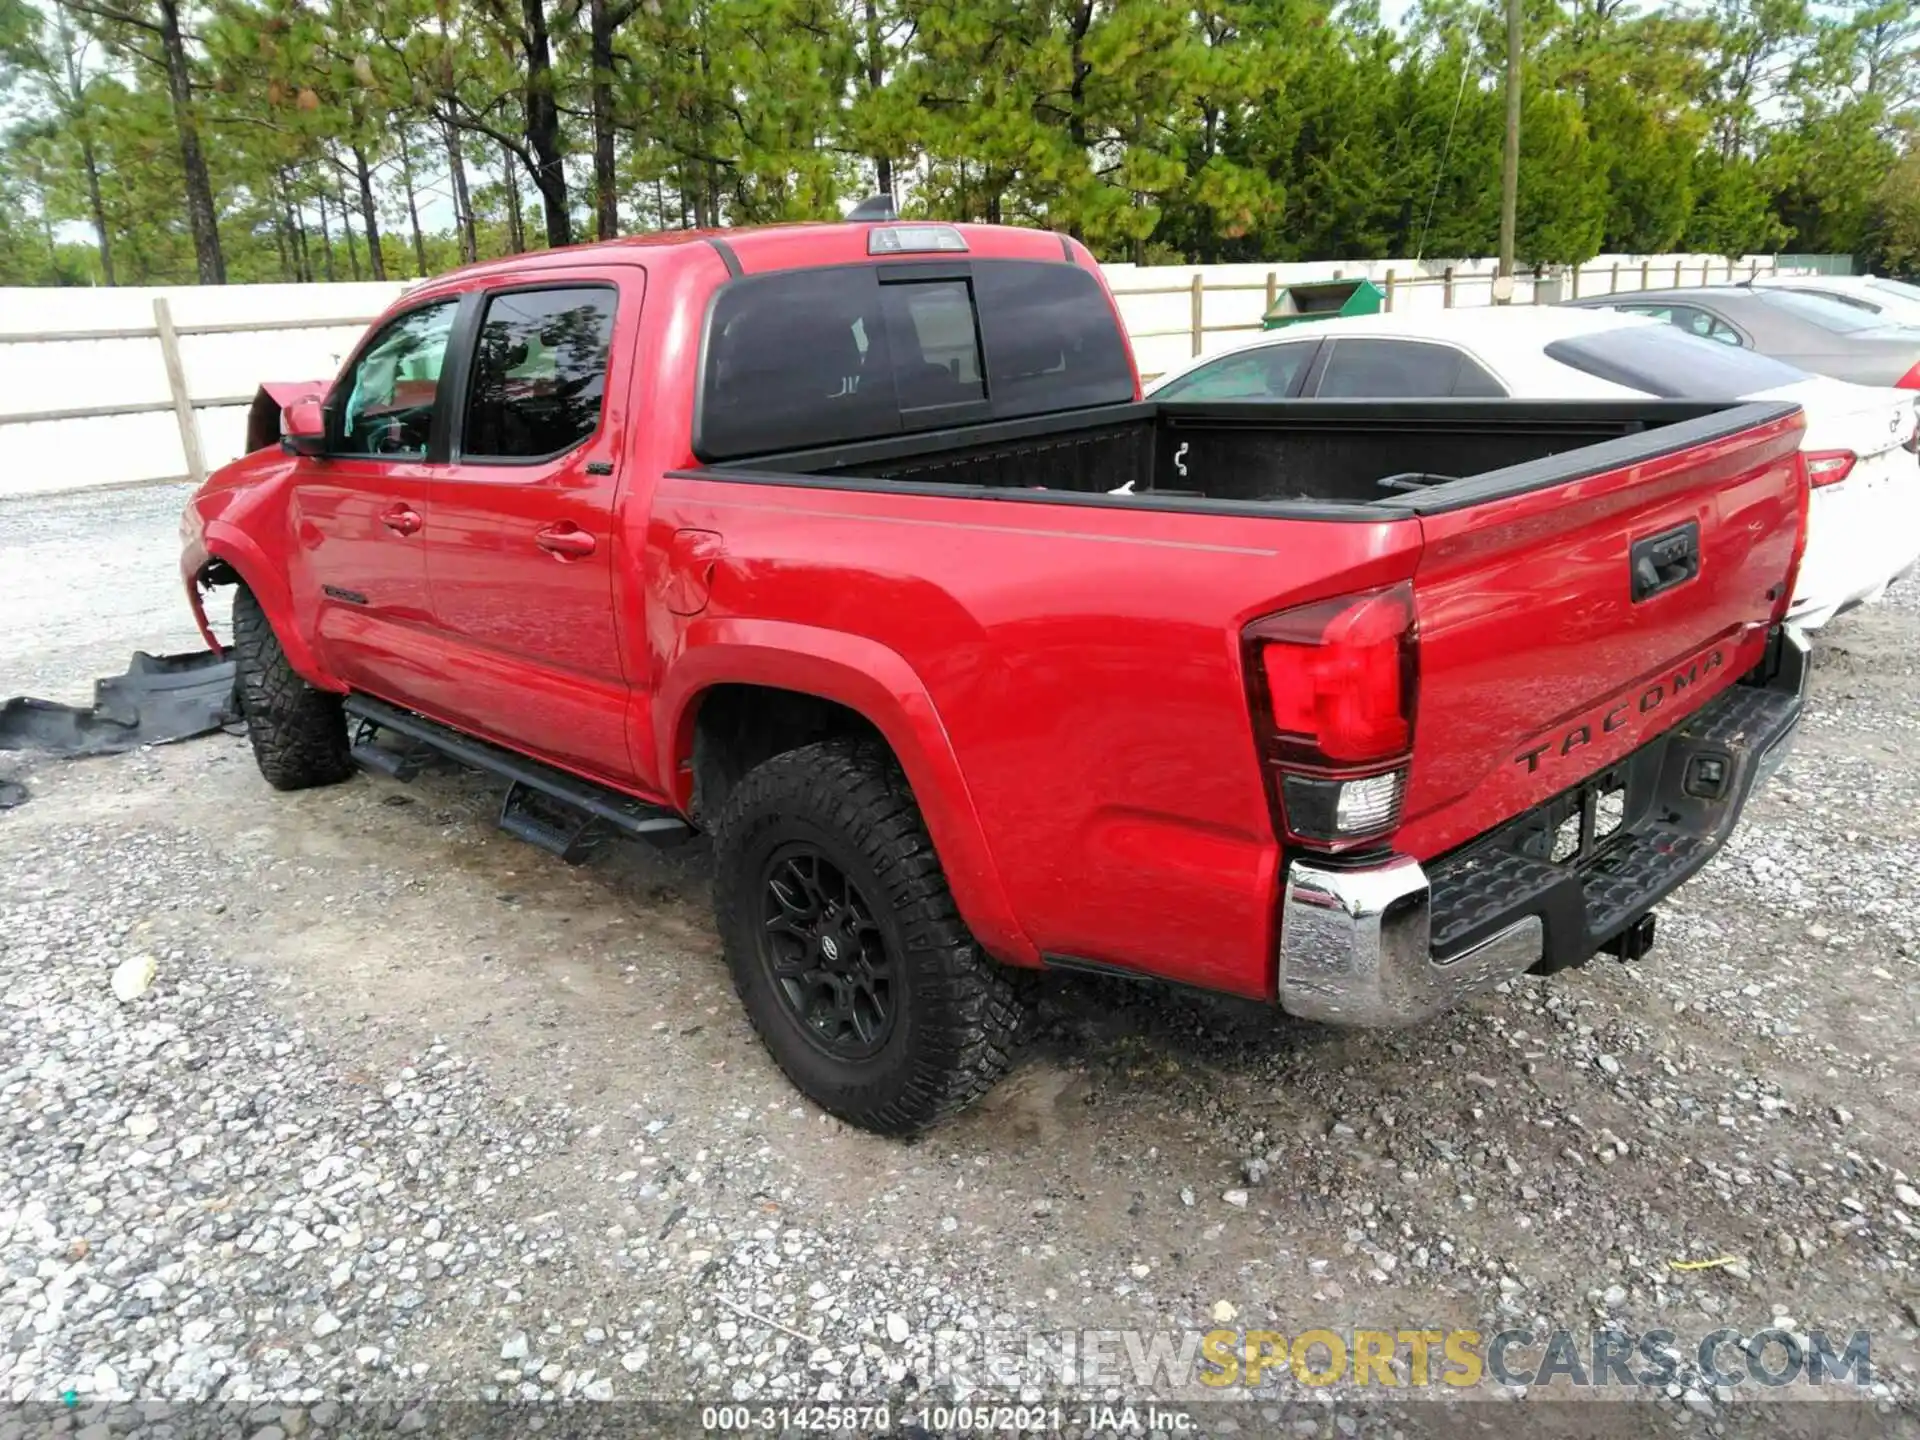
{"x": 1622, "y": 713}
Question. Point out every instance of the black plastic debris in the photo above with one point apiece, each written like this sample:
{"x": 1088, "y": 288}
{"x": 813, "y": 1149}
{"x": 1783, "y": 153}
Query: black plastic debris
{"x": 159, "y": 699}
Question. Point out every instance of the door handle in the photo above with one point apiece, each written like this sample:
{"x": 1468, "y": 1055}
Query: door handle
{"x": 1661, "y": 562}
{"x": 402, "y": 520}
{"x": 566, "y": 541}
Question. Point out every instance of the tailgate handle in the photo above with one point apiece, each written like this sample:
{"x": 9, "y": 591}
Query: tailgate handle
{"x": 1660, "y": 562}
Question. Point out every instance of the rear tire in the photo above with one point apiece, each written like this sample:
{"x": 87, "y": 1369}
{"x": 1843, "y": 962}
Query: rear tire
{"x": 299, "y": 733}
{"x": 845, "y": 944}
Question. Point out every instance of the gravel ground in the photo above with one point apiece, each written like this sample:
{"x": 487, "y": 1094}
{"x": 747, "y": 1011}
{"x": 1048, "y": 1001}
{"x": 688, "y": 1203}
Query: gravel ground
{"x": 412, "y": 1112}
{"x": 116, "y": 554}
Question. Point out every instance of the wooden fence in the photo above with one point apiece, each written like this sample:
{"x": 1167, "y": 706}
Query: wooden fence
{"x": 183, "y": 403}
{"x": 1583, "y": 281}
{"x": 1472, "y": 287}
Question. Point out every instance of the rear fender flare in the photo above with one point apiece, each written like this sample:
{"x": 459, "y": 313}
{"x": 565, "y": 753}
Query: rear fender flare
{"x": 878, "y": 684}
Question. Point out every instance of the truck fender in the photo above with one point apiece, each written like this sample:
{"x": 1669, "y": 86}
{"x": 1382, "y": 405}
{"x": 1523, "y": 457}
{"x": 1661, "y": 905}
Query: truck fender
{"x": 878, "y": 684}
{"x": 268, "y": 582}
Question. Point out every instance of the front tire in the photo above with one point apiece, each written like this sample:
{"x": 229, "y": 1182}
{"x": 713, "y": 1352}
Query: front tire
{"x": 845, "y": 944}
{"x": 299, "y": 733}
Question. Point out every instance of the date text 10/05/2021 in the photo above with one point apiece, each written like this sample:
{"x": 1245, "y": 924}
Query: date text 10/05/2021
{"x": 1150, "y": 1418}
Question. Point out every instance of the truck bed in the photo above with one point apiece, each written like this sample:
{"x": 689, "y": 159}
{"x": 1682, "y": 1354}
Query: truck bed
{"x": 1046, "y": 617}
{"x": 1300, "y": 458}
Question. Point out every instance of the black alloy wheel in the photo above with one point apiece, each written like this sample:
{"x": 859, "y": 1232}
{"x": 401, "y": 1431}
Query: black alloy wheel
{"x": 846, "y": 945}
{"x": 825, "y": 953}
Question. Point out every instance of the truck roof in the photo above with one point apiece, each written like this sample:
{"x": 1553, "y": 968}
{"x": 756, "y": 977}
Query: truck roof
{"x": 759, "y": 248}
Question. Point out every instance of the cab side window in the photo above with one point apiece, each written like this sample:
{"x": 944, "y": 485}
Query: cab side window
{"x": 393, "y": 391}
{"x": 539, "y": 373}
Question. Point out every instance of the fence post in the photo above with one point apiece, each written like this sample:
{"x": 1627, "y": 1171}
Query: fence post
{"x": 1536, "y": 283}
{"x": 1677, "y": 281}
{"x": 1446, "y": 287}
{"x": 1273, "y": 292}
{"x": 1646, "y": 274}
{"x": 1389, "y": 289}
{"x": 177, "y": 383}
{"x": 1199, "y": 293}
{"x": 1753, "y": 271}
{"x": 1613, "y": 286}
{"x": 1576, "y": 282}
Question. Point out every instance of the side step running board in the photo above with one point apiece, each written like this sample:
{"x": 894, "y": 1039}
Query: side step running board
{"x": 400, "y": 765}
{"x": 560, "y": 813}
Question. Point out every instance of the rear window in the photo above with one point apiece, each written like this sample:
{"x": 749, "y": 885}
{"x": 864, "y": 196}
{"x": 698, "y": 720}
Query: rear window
{"x": 1052, "y": 340}
{"x": 803, "y": 358}
{"x": 1672, "y": 364}
{"x": 1822, "y": 310}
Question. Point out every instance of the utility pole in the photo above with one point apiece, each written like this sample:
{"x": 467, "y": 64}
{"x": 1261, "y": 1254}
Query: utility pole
{"x": 1510, "y": 156}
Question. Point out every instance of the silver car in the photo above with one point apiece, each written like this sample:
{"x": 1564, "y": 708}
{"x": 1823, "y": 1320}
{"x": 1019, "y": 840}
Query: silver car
{"x": 1814, "y": 332}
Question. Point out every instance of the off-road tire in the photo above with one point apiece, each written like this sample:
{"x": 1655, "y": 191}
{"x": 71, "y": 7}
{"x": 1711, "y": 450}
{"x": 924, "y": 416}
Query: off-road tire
{"x": 957, "y": 1013}
{"x": 299, "y": 734}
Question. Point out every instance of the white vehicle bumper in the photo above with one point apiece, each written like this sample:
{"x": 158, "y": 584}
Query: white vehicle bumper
{"x": 1862, "y": 534}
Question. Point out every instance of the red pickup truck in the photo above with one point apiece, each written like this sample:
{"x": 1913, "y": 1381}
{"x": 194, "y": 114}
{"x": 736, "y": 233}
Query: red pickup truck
{"x": 855, "y": 547}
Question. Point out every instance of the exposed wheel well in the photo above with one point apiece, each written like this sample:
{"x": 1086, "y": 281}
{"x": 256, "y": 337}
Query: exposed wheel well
{"x": 217, "y": 572}
{"x": 741, "y": 726}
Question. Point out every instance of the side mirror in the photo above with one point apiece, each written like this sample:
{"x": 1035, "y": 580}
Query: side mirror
{"x": 303, "y": 429}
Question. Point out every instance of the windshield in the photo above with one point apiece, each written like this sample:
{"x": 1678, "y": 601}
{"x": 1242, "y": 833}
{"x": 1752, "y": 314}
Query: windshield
{"x": 1894, "y": 287}
{"x": 1663, "y": 361}
{"x": 1822, "y": 310}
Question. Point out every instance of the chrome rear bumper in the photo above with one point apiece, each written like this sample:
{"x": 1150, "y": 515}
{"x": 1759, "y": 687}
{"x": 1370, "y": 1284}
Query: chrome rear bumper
{"x": 1355, "y": 949}
{"x": 1357, "y": 941}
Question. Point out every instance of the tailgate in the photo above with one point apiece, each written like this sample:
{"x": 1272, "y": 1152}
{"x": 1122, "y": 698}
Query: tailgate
{"x": 1562, "y": 627}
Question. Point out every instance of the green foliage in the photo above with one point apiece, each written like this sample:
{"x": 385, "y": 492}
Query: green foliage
{"x": 352, "y": 138}
{"x": 1825, "y": 172}
{"x": 1894, "y": 237}
{"x": 1732, "y": 212}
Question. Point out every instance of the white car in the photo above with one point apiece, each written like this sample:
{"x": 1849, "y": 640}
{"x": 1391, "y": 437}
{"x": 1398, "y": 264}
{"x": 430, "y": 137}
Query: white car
{"x": 1894, "y": 301}
{"x": 1862, "y": 444}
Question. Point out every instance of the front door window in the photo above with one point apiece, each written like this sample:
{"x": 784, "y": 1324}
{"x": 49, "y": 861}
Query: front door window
{"x": 391, "y": 394}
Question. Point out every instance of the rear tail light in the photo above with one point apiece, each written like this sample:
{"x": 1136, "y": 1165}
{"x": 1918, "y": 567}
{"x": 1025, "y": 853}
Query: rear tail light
{"x": 1910, "y": 380}
{"x": 1829, "y": 467}
{"x": 1323, "y": 810}
{"x": 1331, "y": 685}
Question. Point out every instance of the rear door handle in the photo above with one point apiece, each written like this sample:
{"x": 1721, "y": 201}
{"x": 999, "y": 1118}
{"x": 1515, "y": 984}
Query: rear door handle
{"x": 566, "y": 541}
{"x": 402, "y": 520}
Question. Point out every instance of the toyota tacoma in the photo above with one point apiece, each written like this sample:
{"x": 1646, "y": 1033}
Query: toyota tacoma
{"x": 855, "y": 547}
